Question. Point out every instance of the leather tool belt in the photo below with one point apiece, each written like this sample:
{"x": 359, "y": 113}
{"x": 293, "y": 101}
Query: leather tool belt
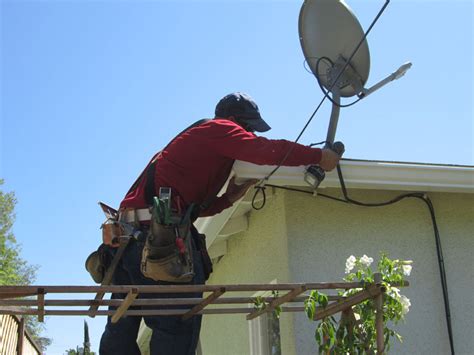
{"x": 135, "y": 215}
{"x": 168, "y": 252}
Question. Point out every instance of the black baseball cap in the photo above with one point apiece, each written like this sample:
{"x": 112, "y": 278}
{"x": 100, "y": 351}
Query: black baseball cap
{"x": 244, "y": 109}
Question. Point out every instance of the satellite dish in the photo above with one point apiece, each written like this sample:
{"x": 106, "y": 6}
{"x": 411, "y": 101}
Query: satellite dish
{"x": 334, "y": 44}
{"x": 329, "y": 29}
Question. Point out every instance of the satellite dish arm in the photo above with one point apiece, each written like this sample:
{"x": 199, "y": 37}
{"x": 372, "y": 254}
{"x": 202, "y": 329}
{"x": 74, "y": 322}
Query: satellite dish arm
{"x": 336, "y": 108}
{"x": 394, "y": 76}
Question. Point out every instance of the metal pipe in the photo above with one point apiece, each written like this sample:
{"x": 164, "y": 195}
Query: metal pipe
{"x": 336, "y": 98}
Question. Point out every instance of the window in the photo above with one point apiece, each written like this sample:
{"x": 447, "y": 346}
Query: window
{"x": 264, "y": 335}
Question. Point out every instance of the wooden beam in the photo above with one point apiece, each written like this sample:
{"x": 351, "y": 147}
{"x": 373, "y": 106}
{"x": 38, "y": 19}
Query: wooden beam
{"x": 148, "y": 301}
{"x": 278, "y": 301}
{"x": 165, "y": 312}
{"x": 7, "y": 290}
{"x": 19, "y": 310}
{"x": 208, "y": 300}
{"x": 125, "y": 305}
{"x": 123, "y": 240}
{"x": 4, "y": 296}
{"x": 142, "y": 312}
{"x": 359, "y": 297}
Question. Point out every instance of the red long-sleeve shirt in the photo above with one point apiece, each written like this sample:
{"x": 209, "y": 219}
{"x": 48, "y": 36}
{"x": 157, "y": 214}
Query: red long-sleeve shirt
{"x": 198, "y": 162}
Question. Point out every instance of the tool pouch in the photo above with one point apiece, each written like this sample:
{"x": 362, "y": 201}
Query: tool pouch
{"x": 168, "y": 252}
{"x": 98, "y": 262}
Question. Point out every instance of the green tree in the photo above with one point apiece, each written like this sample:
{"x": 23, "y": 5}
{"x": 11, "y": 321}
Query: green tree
{"x": 86, "y": 350}
{"x": 13, "y": 269}
{"x": 79, "y": 351}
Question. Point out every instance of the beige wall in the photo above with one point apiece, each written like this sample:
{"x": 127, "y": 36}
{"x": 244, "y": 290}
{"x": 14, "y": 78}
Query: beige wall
{"x": 259, "y": 255}
{"x": 323, "y": 233}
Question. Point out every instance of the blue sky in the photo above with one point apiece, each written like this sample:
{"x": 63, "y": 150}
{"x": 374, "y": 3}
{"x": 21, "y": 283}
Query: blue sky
{"x": 90, "y": 90}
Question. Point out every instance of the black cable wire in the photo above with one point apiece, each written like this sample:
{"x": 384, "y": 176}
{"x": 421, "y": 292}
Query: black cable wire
{"x": 376, "y": 204}
{"x": 326, "y": 92}
{"x": 349, "y": 200}
{"x": 306, "y": 65}
{"x": 319, "y": 143}
{"x": 307, "y": 192}
{"x": 264, "y": 195}
{"x": 317, "y": 75}
{"x": 442, "y": 272}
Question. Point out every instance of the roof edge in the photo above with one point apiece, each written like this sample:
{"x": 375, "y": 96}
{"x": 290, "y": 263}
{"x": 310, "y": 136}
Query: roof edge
{"x": 366, "y": 174}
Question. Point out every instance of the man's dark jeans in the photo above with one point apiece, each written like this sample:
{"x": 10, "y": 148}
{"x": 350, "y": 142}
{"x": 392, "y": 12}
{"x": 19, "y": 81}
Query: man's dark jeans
{"x": 170, "y": 335}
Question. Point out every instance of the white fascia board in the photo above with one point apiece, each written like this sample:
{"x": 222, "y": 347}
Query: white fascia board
{"x": 372, "y": 175}
{"x": 361, "y": 174}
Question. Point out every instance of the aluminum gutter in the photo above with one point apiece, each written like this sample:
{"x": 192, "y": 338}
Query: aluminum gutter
{"x": 374, "y": 175}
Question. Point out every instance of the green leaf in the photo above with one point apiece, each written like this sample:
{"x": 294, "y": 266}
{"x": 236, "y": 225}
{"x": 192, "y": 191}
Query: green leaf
{"x": 310, "y": 308}
{"x": 323, "y": 299}
{"x": 318, "y": 334}
{"x": 277, "y": 312}
{"x": 399, "y": 337}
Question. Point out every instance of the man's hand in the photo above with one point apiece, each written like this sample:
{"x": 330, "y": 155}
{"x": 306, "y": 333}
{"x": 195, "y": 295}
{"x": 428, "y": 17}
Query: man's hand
{"x": 329, "y": 159}
{"x": 235, "y": 192}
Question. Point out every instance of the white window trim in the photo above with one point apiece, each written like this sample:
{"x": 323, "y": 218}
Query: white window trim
{"x": 258, "y": 329}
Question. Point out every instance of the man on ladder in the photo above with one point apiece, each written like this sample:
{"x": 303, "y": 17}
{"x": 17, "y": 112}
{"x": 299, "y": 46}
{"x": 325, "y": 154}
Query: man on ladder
{"x": 180, "y": 184}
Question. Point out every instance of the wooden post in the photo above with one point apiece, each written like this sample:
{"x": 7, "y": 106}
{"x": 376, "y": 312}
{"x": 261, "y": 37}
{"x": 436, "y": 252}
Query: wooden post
{"x": 345, "y": 322}
{"x": 125, "y": 305}
{"x": 21, "y": 336}
{"x": 41, "y": 304}
{"x": 379, "y": 316}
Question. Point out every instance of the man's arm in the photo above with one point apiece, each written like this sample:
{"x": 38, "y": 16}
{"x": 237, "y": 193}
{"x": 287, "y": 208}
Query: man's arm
{"x": 232, "y": 141}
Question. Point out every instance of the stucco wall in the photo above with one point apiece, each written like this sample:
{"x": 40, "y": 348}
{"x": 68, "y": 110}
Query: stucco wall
{"x": 259, "y": 255}
{"x": 323, "y": 233}
{"x": 301, "y": 238}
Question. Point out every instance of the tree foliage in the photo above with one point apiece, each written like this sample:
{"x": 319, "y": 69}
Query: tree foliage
{"x": 13, "y": 269}
{"x": 358, "y": 335}
{"x": 79, "y": 351}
